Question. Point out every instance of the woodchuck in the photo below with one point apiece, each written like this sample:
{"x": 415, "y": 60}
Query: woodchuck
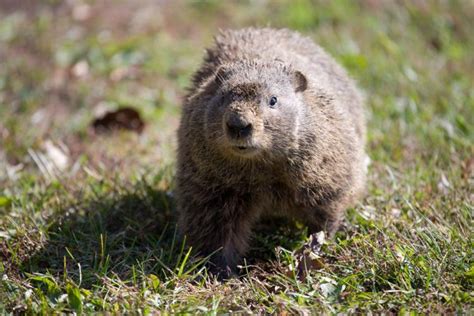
{"x": 271, "y": 125}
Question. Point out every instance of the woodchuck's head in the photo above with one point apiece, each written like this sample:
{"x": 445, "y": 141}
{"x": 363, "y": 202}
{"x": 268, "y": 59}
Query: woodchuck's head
{"x": 255, "y": 110}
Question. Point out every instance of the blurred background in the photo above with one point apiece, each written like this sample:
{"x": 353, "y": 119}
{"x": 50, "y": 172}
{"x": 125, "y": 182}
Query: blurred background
{"x": 64, "y": 64}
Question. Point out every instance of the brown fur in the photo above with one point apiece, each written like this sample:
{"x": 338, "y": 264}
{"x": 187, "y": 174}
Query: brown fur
{"x": 304, "y": 158}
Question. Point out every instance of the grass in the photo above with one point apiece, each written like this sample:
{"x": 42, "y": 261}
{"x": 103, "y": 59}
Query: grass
{"x": 93, "y": 229}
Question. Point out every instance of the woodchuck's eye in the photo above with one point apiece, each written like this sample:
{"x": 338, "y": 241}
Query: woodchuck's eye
{"x": 273, "y": 101}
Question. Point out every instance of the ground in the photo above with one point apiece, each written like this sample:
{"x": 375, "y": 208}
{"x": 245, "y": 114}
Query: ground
{"x": 87, "y": 219}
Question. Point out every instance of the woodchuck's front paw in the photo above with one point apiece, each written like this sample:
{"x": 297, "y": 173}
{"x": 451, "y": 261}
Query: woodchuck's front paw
{"x": 221, "y": 273}
{"x": 218, "y": 267}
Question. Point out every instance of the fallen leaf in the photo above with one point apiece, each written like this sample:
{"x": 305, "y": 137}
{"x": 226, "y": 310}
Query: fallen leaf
{"x": 81, "y": 69}
{"x": 13, "y": 171}
{"x": 468, "y": 168}
{"x": 81, "y": 12}
{"x": 121, "y": 73}
{"x": 436, "y": 43}
{"x": 124, "y": 118}
{"x": 327, "y": 289}
{"x": 4, "y": 235}
{"x": 52, "y": 160}
{"x": 396, "y": 212}
{"x": 56, "y": 155}
{"x": 308, "y": 257}
{"x": 443, "y": 184}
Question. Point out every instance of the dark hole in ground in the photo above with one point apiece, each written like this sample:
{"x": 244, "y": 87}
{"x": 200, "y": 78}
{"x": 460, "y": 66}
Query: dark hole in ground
{"x": 125, "y": 118}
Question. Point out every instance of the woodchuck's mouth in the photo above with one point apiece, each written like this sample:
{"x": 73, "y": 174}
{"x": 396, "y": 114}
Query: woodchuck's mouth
{"x": 245, "y": 150}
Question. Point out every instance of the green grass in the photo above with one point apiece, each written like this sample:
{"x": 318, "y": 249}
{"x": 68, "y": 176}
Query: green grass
{"x": 98, "y": 233}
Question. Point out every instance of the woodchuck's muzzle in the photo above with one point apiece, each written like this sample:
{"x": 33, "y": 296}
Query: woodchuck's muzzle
{"x": 237, "y": 126}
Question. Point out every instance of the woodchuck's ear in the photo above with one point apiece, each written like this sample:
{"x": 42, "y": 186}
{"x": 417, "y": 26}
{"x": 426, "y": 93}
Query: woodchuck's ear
{"x": 212, "y": 83}
{"x": 222, "y": 74}
{"x": 299, "y": 81}
{"x": 215, "y": 80}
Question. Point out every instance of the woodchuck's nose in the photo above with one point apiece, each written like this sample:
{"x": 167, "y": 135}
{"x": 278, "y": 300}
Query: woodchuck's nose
{"x": 238, "y": 127}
